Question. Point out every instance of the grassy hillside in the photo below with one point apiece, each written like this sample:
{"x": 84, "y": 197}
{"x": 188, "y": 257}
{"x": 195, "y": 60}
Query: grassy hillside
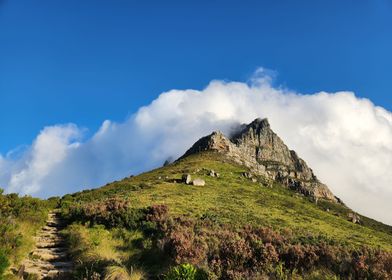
{"x": 147, "y": 224}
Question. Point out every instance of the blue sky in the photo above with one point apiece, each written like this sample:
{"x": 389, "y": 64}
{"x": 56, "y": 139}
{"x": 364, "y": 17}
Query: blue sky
{"x": 87, "y": 61}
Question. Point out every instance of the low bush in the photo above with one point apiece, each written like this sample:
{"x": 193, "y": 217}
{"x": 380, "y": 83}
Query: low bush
{"x": 4, "y": 263}
{"x": 112, "y": 212}
{"x": 250, "y": 252}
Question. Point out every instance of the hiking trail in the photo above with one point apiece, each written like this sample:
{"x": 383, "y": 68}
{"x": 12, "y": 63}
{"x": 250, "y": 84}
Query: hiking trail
{"x": 49, "y": 259}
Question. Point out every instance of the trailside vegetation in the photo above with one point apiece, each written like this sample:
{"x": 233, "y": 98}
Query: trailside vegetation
{"x": 20, "y": 218}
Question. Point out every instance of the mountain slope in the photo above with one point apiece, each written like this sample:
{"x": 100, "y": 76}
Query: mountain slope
{"x": 244, "y": 207}
{"x": 199, "y": 216}
{"x": 234, "y": 199}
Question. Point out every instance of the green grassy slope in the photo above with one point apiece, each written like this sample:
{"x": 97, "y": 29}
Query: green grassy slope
{"x": 236, "y": 200}
{"x": 116, "y": 229}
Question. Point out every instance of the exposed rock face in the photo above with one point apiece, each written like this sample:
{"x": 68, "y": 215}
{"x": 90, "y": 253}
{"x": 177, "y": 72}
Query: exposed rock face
{"x": 259, "y": 148}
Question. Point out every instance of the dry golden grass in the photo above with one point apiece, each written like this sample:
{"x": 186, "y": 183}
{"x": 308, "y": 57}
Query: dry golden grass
{"x": 122, "y": 273}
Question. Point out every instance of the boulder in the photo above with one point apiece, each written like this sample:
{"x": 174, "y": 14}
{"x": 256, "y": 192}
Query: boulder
{"x": 198, "y": 182}
{"x": 212, "y": 173}
{"x": 354, "y": 218}
{"x": 187, "y": 179}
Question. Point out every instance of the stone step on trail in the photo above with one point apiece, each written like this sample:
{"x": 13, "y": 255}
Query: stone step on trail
{"x": 50, "y": 254}
{"x": 50, "y": 244}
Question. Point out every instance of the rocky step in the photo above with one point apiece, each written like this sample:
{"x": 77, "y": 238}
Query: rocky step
{"x": 55, "y": 224}
{"x": 52, "y": 258}
{"x": 49, "y": 234}
{"x": 51, "y": 238}
{"x": 51, "y": 254}
{"x": 59, "y": 265}
{"x": 46, "y": 232}
{"x": 47, "y": 269}
{"x": 50, "y": 244}
{"x": 33, "y": 265}
{"x": 37, "y": 269}
{"x": 56, "y": 272}
{"x": 51, "y": 274}
{"x": 50, "y": 228}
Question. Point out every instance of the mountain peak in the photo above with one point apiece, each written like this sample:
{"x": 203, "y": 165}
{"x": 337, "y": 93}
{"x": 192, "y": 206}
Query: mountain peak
{"x": 259, "y": 122}
{"x": 258, "y": 147}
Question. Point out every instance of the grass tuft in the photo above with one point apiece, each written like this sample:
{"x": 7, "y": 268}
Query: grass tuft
{"x": 116, "y": 272}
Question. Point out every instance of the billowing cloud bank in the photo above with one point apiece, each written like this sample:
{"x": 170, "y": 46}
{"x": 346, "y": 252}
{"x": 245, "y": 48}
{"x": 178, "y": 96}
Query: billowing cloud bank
{"x": 345, "y": 139}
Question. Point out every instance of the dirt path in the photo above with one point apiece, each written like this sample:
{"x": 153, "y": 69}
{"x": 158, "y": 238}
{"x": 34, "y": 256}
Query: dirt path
{"x": 49, "y": 260}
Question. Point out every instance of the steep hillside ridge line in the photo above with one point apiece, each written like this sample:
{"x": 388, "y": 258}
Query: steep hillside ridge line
{"x": 259, "y": 148}
{"x": 49, "y": 259}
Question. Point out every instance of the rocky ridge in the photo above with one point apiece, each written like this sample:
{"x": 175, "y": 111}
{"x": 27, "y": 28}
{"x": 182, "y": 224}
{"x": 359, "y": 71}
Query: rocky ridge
{"x": 259, "y": 148}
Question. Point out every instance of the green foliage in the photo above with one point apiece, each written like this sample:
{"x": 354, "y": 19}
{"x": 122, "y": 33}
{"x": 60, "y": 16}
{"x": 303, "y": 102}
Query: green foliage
{"x": 20, "y": 218}
{"x": 4, "y": 263}
{"x": 185, "y": 272}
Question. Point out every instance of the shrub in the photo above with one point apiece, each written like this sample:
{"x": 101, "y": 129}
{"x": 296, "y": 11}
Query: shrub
{"x": 157, "y": 213}
{"x": 13, "y": 211}
{"x": 247, "y": 253}
{"x": 112, "y": 212}
{"x": 3, "y": 263}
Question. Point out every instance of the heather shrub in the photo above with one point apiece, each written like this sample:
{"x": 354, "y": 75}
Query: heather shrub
{"x": 250, "y": 252}
{"x": 112, "y": 212}
{"x": 184, "y": 242}
{"x": 157, "y": 213}
{"x": 369, "y": 263}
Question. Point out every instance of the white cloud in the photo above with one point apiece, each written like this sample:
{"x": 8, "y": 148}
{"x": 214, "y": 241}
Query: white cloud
{"x": 50, "y": 148}
{"x": 345, "y": 139}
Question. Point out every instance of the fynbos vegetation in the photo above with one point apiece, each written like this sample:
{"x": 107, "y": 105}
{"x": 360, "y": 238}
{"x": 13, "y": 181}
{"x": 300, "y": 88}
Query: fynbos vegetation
{"x": 203, "y": 249}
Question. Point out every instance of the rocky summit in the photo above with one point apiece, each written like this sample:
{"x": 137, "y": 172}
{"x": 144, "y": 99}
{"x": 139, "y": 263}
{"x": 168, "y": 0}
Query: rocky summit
{"x": 259, "y": 148}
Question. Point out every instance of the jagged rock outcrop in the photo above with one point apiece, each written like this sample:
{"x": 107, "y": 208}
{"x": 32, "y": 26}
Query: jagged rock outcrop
{"x": 259, "y": 148}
